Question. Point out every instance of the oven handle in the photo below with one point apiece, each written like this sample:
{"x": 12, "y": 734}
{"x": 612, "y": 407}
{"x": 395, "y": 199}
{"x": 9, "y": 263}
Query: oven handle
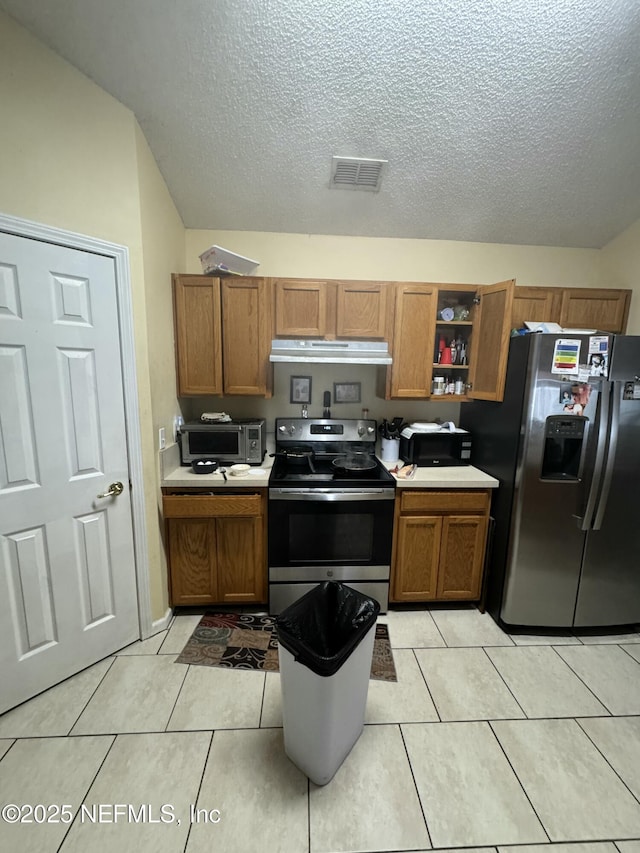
{"x": 331, "y": 495}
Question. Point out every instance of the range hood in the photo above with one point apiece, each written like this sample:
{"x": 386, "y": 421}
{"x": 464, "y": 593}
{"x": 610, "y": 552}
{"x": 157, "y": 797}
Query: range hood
{"x": 331, "y": 352}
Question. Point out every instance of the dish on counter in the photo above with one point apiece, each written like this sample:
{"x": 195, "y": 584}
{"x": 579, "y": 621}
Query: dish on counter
{"x": 204, "y": 466}
{"x": 239, "y": 470}
{"x": 404, "y": 472}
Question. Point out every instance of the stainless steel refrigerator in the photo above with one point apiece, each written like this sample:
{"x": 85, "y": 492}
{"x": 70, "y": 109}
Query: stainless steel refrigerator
{"x": 565, "y": 446}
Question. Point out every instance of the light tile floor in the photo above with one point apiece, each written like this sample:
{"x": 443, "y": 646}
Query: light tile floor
{"x": 495, "y": 742}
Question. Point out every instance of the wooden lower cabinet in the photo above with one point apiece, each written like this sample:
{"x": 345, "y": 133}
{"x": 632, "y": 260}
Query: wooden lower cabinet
{"x": 216, "y": 548}
{"x": 439, "y": 545}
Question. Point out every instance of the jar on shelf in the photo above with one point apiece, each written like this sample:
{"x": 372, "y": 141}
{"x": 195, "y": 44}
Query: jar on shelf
{"x": 438, "y": 386}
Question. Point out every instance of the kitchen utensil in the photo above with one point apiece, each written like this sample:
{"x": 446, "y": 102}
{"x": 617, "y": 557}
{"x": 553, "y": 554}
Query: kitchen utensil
{"x": 354, "y": 463}
{"x": 326, "y": 403}
{"x": 223, "y": 471}
{"x": 298, "y": 455}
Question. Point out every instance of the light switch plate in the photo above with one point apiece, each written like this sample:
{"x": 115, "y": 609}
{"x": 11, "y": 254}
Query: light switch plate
{"x": 162, "y": 441}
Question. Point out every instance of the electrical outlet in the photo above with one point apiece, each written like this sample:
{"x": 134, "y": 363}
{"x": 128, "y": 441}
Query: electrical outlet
{"x": 162, "y": 441}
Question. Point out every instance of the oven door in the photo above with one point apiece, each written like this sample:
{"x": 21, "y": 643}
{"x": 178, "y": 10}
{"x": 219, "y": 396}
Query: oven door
{"x": 329, "y": 529}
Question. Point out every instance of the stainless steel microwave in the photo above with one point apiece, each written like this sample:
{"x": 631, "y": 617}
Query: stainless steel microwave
{"x": 440, "y": 448}
{"x": 230, "y": 442}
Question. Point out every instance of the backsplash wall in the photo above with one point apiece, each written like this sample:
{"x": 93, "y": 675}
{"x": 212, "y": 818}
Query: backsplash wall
{"x": 323, "y": 378}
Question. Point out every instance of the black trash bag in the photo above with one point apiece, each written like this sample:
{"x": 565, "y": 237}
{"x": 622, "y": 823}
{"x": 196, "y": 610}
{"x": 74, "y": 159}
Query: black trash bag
{"x": 322, "y": 628}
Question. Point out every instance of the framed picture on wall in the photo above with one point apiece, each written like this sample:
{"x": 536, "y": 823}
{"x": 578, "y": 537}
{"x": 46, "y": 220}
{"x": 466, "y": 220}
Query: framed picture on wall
{"x": 346, "y": 392}
{"x": 300, "y": 389}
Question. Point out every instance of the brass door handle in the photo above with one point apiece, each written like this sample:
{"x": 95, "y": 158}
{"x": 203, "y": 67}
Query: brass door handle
{"x": 114, "y": 490}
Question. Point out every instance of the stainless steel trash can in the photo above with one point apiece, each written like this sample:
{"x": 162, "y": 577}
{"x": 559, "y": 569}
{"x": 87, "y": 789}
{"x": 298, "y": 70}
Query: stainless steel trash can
{"x": 325, "y": 648}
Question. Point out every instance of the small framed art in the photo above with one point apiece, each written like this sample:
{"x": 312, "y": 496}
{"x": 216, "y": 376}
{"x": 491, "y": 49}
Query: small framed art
{"x": 300, "y": 389}
{"x": 346, "y": 392}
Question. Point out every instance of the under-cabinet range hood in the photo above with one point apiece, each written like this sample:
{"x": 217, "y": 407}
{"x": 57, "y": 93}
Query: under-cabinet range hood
{"x": 331, "y": 352}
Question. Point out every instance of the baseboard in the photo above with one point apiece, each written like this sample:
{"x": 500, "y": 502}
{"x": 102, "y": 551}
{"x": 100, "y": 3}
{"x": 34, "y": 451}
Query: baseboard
{"x": 161, "y": 624}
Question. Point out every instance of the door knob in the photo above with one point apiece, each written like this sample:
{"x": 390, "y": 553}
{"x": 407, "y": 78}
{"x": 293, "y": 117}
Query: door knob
{"x": 113, "y": 490}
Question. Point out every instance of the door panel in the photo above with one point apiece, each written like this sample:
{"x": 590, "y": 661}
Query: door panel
{"x": 609, "y": 592}
{"x": 67, "y": 573}
{"x": 595, "y": 309}
{"x": 490, "y": 349}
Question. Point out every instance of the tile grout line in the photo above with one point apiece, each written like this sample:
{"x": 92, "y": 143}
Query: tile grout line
{"x": 84, "y": 707}
{"x": 415, "y": 784}
{"x": 204, "y": 770}
{"x": 593, "y": 693}
{"x": 88, "y": 791}
{"x": 606, "y": 760}
{"x": 426, "y": 684}
{"x": 524, "y": 790}
{"x": 502, "y": 678}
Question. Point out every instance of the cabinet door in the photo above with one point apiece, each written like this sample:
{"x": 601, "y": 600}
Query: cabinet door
{"x": 413, "y": 341}
{"x": 490, "y": 347}
{"x": 586, "y": 308}
{"x": 198, "y": 329}
{"x": 241, "y": 569}
{"x": 246, "y": 336}
{"x": 461, "y": 557}
{"x": 535, "y": 303}
{"x": 417, "y": 555}
{"x": 301, "y": 308}
{"x": 362, "y": 309}
{"x": 192, "y": 561}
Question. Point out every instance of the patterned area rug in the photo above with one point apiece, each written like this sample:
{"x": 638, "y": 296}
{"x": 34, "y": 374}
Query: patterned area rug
{"x": 245, "y": 641}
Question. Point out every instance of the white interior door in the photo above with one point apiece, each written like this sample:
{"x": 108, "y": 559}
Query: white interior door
{"x": 67, "y": 571}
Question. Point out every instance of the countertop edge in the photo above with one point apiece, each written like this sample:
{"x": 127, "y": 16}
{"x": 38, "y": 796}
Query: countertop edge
{"x": 457, "y": 477}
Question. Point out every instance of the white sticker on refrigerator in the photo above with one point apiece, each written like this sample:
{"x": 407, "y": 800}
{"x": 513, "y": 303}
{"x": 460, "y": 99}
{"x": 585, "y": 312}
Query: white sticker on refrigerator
{"x": 598, "y": 355}
{"x": 566, "y": 356}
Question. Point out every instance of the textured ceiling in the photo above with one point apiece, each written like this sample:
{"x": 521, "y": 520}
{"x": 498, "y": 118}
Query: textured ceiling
{"x": 513, "y": 121}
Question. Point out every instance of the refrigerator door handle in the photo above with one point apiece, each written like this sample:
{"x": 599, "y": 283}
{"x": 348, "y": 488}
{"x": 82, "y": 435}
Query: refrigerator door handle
{"x": 598, "y": 465}
{"x": 608, "y": 471}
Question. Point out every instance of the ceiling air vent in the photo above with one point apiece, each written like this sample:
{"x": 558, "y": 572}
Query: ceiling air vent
{"x": 356, "y": 173}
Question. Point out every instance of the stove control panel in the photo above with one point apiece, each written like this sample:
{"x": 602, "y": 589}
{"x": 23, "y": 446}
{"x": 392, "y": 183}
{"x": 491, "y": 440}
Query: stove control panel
{"x": 325, "y": 429}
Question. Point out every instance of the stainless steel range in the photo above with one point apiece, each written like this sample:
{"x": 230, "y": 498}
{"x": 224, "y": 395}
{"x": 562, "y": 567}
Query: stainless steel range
{"x": 331, "y": 507}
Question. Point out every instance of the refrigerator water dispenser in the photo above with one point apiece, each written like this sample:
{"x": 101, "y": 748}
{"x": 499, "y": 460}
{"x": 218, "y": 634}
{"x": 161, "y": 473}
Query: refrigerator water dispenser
{"x": 563, "y": 440}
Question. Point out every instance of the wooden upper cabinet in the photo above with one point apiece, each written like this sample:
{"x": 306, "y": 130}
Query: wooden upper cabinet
{"x": 306, "y": 308}
{"x": 198, "y": 334}
{"x": 223, "y": 335}
{"x": 490, "y": 348}
{"x": 246, "y": 324}
{"x": 413, "y": 341}
{"x": 362, "y": 309}
{"x": 572, "y": 307}
{"x": 540, "y": 304}
{"x": 301, "y": 308}
{"x": 590, "y": 308}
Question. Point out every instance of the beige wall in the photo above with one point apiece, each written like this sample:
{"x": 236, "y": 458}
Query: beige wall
{"x": 163, "y": 253}
{"x": 401, "y": 260}
{"x": 71, "y": 156}
{"x": 621, "y": 268}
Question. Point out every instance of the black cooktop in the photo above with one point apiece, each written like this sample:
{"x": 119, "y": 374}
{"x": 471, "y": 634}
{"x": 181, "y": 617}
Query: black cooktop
{"x": 326, "y": 440}
{"x": 326, "y": 474}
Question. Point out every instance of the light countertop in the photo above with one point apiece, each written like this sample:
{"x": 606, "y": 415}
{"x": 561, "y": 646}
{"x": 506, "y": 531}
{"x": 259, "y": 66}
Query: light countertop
{"x": 456, "y": 477}
{"x": 182, "y": 477}
{"x": 459, "y": 477}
